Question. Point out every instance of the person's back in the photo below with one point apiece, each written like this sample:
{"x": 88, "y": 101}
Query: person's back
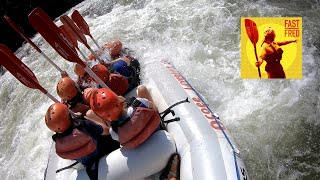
{"x": 71, "y": 95}
{"x": 116, "y": 82}
{"x": 78, "y": 138}
{"x": 134, "y": 123}
{"x": 84, "y": 79}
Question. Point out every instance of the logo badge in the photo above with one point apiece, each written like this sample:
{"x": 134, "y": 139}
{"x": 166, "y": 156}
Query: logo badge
{"x": 271, "y": 47}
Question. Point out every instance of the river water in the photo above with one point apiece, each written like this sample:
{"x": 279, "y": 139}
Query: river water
{"x": 274, "y": 122}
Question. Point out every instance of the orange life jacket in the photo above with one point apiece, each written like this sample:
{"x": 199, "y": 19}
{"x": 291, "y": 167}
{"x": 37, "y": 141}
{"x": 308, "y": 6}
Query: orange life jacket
{"x": 77, "y": 104}
{"x": 118, "y": 84}
{"x": 80, "y": 107}
{"x": 138, "y": 127}
{"x": 75, "y": 145}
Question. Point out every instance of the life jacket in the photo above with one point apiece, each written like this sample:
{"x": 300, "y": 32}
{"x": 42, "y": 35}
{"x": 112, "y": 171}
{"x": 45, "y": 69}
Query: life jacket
{"x": 118, "y": 84}
{"x": 273, "y": 59}
{"x": 76, "y": 104}
{"x": 86, "y": 81}
{"x": 75, "y": 143}
{"x": 134, "y": 130}
{"x": 131, "y": 72}
{"x": 80, "y": 107}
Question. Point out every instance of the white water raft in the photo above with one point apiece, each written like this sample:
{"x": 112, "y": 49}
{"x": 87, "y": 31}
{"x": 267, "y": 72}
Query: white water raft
{"x": 205, "y": 146}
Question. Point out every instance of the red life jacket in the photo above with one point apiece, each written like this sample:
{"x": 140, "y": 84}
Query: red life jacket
{"x": 118, "y": 84}
{"x": 86, "y": 81}
{"x": 77, "y": 104}
{"x": 142, "y": 124}
{"x": 80, "y": 107}
{"x": 75, "y": 145}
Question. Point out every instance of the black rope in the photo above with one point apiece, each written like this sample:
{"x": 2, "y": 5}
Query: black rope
{"x": 172, "y": 120}
{"x": 168, "y": 110}
{"x": 68, "y": 167}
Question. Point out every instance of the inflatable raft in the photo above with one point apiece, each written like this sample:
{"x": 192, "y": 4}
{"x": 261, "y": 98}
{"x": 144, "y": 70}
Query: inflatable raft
{"x": 197, "y": 134}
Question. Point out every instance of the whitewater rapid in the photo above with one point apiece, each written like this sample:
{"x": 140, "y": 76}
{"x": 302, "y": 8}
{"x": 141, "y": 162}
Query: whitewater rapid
{"x": 274, "y": 122}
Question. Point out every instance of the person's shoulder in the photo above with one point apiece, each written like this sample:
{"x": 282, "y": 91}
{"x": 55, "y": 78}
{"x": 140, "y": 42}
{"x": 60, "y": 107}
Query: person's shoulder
{"x": 89, "y": 124}
{"x": 92, "y": 127}
{"x": 265, "y": 45}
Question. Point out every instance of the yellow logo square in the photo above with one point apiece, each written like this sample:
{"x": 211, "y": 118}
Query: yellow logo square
{"x": 273, "y": 44}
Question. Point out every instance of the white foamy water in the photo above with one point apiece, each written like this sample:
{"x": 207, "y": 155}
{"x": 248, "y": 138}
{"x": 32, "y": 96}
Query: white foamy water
{"x": 275, "y": 123}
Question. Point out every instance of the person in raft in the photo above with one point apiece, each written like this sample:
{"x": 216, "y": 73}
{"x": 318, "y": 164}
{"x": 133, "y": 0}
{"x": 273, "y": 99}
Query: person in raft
{"x": 127, "y": 68}
{"x": 74, "y": 132}
{"x": 122, "y": 62}
{"x": 271, "y": 52}
{"x": 115, "y": 50}
{"x": 84, "y": 80}
{"x": 116, "y": 82}
{"x": 70, "y": 95}
{"x": 123, "y": 114}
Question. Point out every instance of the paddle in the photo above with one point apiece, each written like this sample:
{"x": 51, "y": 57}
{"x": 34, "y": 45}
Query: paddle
{"x": 59, "y": 41}
{"x": 25, "y": 37}
{"x": 19, "y": 70}
{"x": 252, "y": 32}
{"x": 69, "y": 35}
{"x": 69, "y": 24}
{"x": 83, "y": 26}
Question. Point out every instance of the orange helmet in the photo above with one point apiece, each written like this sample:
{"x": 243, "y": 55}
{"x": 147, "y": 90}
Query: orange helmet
{"x": 269, "y": 33}
{"x": 66, "y": 88}
{"x": 106, "y": 104}
{"x": 57, "y": 118}
{"x": 101, "y": 71}
{"x": 79, "y": 70}
{"x": 91, "y": 57}
{"x": 115, "y": 47}
{"x": 87, "y": 93}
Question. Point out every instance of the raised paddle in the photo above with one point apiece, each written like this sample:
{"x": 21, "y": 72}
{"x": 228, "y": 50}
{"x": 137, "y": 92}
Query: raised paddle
{"x": 19, "y": 70}
{"x": 70, "y": 35}
{"x": 59, "y": 41}
{"x": 25, "y": 37}
{"x": 253, "y": 34}
{"x": 53, "y": 35}
{"x": 83, "y": 26}
{"x": 69, "y": 24}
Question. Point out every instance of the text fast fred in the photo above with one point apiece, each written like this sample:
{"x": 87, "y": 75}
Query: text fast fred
{"x": 291, "y": 28}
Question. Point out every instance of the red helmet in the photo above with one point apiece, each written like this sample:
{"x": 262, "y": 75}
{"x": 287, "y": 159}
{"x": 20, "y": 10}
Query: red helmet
{"x": 106, "y": 104}
{"x": 57, "y": 118}
{"x": 115, "y": 47}
{"x": 87, "y": 94}
{"x": 79, "y": 70}
{"x": 66, "y": 88}
{"x": 101, "y": 71}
